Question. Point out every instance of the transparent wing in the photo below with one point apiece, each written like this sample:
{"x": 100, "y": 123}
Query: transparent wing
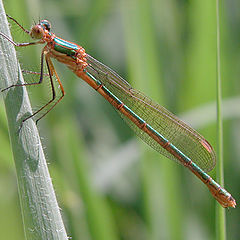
{"x": 185, "y": 138}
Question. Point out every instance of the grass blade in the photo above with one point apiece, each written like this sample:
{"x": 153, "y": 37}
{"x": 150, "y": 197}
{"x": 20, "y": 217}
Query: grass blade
{"x": 40, "y": 211}
{"x": 220, "y": 212}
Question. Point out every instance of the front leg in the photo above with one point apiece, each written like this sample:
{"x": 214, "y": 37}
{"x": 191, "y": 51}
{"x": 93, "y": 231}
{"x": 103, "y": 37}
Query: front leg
{"x": 20, "y": 44}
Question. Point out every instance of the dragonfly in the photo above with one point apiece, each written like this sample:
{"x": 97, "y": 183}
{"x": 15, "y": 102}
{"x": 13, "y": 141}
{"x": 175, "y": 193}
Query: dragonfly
{"x": 154, "y": 124}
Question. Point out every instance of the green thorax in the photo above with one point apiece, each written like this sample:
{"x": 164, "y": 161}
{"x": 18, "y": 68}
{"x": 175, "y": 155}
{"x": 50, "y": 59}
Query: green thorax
{"x": 65, "y": 47}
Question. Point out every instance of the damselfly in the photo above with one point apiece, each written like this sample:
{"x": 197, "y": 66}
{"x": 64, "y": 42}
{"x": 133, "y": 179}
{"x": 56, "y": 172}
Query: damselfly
{"x": 159, "y": 128}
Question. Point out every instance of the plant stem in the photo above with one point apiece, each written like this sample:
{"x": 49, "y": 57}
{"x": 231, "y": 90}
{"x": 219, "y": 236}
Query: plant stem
{"x": 220, "y": 212}
{"x": 40, "y": 211}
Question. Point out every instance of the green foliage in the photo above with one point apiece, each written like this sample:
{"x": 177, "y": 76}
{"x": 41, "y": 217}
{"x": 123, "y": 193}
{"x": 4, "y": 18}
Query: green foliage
{"x": 106, "y": 188}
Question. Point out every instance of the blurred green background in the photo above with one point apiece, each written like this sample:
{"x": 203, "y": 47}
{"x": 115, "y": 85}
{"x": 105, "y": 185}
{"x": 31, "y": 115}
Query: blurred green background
{"x": 103, "y": 175}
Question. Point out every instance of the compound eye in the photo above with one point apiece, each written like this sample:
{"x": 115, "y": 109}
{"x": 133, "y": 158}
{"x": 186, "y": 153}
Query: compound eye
{"x": 46, "y": 25}
{"x": 37, "y": 32}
